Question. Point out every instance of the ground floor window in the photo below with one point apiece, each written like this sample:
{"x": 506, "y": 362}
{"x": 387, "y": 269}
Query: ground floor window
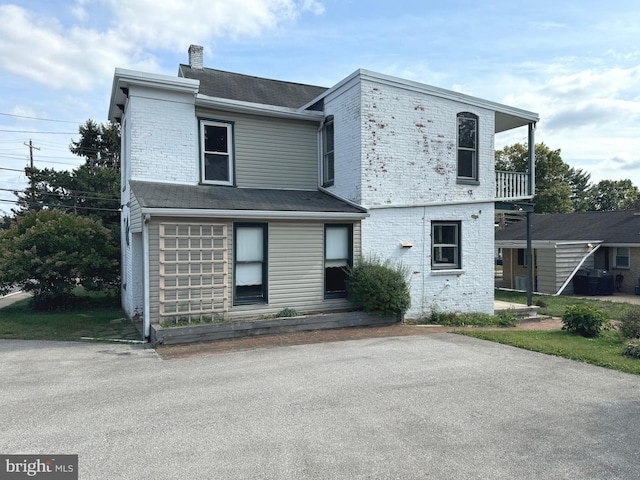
{"x": 250, "y": 263}
{"x": 445, "y": 245}
{"x": 621, "y": 257}
{"x": 338, "y": 257}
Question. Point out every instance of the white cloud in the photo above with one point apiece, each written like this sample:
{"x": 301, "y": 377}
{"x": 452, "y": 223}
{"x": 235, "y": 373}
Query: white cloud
{"x": 197, "y": 21}
{"x": 42, "y": 49}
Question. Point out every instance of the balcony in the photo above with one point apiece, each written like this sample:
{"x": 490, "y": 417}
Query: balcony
{"x": 512, "y": 186}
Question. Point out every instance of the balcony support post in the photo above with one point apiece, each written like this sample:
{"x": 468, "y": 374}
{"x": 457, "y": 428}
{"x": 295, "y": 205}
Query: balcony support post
{"x": 532, "y": 158}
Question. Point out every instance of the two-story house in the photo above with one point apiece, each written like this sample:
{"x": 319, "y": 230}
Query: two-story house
{"x": 243, "y": 195}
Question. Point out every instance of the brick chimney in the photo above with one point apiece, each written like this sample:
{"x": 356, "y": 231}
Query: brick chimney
{"x": 195, "y": 57}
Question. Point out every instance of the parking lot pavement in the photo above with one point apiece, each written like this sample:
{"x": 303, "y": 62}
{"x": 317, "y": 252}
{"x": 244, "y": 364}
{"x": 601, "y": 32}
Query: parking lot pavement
{"x": 432, "y": 406}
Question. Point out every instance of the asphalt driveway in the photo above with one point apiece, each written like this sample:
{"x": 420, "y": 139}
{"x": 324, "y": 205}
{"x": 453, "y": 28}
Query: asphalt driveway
{"x": 439, "y": 406}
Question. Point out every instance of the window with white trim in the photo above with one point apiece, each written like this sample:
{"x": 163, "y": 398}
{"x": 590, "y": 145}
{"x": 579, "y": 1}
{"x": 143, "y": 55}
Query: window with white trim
{"x": 216, "y": 152}
{"x": 621, "y": 257}
{"x": 328, "y": 164}
{"x": 250, "y": 263}
{"x": 445, "y": 245}
{"x": 467, "y": 146}
{"x": 338, "y": 257}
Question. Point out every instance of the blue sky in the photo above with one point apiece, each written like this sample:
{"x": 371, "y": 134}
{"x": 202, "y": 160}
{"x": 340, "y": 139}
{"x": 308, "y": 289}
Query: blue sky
{"x": 576, "y": 63}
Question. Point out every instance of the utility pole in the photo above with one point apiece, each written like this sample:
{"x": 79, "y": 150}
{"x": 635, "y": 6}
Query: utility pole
{"x": 30, "y": 169}
{"x": 31, "y": 149}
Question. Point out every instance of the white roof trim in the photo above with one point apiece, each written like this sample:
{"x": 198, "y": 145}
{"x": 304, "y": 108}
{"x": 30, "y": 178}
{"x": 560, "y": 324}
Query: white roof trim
{"x": 257, "y": 108}
{"x": 524, "y": 115}
{"x": 266, "y": 214}
{"x": 123, "y": 78}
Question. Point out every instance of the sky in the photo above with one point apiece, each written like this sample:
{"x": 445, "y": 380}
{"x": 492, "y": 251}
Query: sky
{"x": 575, "y": 63}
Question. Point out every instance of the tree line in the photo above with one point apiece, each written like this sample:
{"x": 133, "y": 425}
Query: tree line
{"x": 564, "y": 189}
{"x": 65, "y": 229}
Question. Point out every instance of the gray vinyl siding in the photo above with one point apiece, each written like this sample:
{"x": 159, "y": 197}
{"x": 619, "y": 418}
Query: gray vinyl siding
{"x": 296, "y": 271}
{"x": 546, "y": 270}
{"x": 271, "y": 152}
{"x": 135, "y": 215}
{"x": 567, "y": 259}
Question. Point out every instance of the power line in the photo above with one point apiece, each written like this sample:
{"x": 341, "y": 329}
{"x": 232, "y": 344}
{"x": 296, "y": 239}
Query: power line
{"x": 73, "y": 194}
{"x": 37, "y": 118}
{"x": 60, "y": 207}
{"x": 44, "y": 133}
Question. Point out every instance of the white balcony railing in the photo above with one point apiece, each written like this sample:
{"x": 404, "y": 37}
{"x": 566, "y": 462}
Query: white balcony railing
{"x": 512, "y": 185}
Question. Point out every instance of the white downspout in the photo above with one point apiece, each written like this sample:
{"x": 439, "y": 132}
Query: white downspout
{"x": 146, "y": 322}
{"x": 564, "y": 285}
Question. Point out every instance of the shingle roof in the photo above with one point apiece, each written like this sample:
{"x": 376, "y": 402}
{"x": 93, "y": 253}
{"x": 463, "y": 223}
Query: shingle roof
{"x": 211, "y": 197}
{"x": 608, "y": 227}
{"x": 235, "y": 86}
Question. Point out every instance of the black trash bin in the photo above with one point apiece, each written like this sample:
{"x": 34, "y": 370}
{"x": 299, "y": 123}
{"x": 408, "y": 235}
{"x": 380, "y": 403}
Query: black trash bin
{"x": 581, "y": 282}
{"x": 605, "y": 284}
{"x": 593, "y": 282}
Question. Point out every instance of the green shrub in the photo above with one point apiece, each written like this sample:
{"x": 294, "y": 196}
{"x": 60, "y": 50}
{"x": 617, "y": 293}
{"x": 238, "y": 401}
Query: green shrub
{"x": 287, "y": 312}
{"x": 585, "y": 320}
{"x": 505, "y": 319}
{"x": 379, "y": 288}
{"x": 630, "y": 323}
{"x": 632, "y": 348}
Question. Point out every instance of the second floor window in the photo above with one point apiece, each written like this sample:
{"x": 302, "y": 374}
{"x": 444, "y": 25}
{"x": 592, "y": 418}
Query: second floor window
{"x": 216, "y": 151}
{"x": 467, "y": 146}
{"x": 327, "y": 153}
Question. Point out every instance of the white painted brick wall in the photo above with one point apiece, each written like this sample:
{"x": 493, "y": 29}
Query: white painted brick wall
{"x": 409, "y": 151}
{"x": 467, "y": 290}
{"x": 164, "y": 137}
{"x": 345, "y": 108}
{"x": 395, "y": 146}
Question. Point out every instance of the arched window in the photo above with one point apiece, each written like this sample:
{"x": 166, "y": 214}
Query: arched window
{"x": 467, "y": 146}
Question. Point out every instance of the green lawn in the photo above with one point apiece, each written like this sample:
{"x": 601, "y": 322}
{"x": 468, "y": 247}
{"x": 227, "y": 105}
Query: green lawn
{"x": 605, "y": 351}
{"x": 95, "y": 316}
{"x": 555, "y": 306}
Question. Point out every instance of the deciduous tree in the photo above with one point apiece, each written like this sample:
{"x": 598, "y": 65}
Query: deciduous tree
{"x": 49, "y": 252}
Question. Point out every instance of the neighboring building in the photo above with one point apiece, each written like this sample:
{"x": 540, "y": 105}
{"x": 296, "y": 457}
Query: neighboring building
{"x": 244, "y": 195}
{"x": 566, "y": 244}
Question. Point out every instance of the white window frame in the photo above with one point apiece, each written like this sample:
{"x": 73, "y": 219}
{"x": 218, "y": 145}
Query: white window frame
{"x": 437, "y": 247}
{"x": 228, "y": 153}
{"x": 616, "y": 255}
{"x": 473, "y": 178}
